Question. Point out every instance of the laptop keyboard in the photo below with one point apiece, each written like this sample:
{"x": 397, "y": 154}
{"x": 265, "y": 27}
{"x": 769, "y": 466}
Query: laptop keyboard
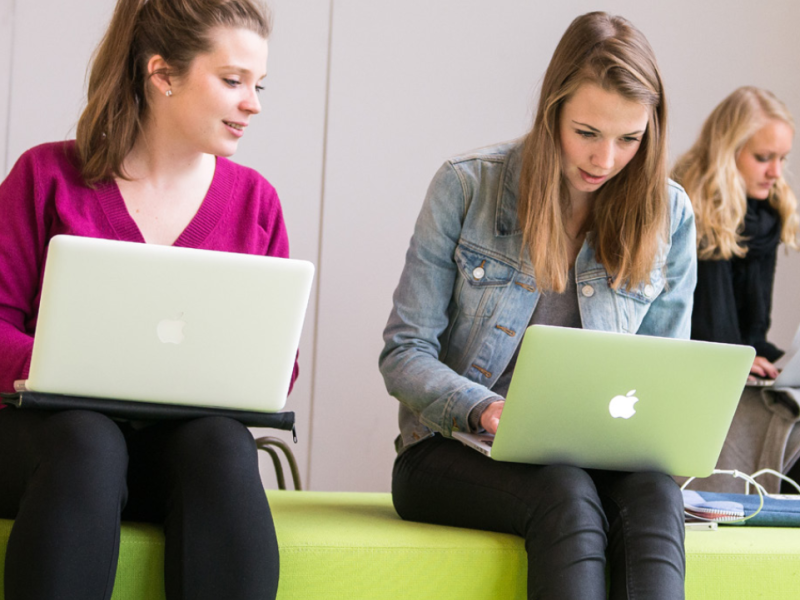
{"x": 760, "y": 382}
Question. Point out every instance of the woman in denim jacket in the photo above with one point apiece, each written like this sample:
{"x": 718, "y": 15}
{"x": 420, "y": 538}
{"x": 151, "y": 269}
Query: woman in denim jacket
{"x": 575, "y": 225}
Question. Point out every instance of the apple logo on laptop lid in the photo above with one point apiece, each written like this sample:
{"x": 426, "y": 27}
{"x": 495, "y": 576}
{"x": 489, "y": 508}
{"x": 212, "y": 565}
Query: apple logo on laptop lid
{"x": 621, "y": 407}
{"x": 170, "y": 331}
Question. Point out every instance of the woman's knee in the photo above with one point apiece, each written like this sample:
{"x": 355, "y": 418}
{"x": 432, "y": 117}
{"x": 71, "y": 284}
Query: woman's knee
{"x": 654, "y": 492}
{"x": 82, "y": 461}
{"x": 564, "y": 483}
{"x": 83, "y": 438}
{"x": 213, "y": 441}
{"x": 565, "y": 496}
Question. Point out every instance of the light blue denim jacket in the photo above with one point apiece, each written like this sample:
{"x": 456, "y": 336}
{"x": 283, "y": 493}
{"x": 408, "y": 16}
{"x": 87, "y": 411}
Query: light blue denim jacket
{"x": 465, "y": 297}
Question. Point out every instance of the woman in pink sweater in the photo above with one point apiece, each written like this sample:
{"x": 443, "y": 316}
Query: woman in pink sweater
{"x": 173, "y": 87}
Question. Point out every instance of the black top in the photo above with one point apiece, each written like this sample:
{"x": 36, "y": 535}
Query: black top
{"x": 733, "y": 298}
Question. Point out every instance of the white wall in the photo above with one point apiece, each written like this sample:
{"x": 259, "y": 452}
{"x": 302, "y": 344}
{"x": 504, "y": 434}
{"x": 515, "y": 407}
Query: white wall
{"x": 364, "y": 100}
{"x": 286, "y": 145}
{"x": 6, "y": 45}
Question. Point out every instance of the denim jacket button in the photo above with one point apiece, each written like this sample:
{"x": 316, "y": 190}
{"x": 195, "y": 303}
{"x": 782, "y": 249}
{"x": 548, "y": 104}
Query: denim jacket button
{"x": 478, "y": 273}
{"x": 648, "y": 291}
{"x": 587, "y": 291}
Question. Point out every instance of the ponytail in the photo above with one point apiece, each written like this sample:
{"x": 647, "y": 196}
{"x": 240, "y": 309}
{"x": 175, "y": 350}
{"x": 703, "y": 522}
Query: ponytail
{"x": 108, "y": 126}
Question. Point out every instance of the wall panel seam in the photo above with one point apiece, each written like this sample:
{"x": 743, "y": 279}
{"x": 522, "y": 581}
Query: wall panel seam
{"x": 7, "y": 141}
{"x": 318, "y": 294}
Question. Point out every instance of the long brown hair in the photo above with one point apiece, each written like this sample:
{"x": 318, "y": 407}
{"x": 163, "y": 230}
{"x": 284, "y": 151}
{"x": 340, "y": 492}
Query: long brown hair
{"x": 177, "y": 30}
{"x": 708, "y": 172}
{"x": 630, "y": 212}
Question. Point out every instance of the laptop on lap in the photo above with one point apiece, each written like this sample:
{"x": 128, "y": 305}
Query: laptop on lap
{"x": 148, "y": 323}
{"x": 618, "y": 401}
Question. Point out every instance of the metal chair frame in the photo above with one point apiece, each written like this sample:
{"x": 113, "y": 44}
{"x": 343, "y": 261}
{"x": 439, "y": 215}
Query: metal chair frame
{"x": 269, "y": 445}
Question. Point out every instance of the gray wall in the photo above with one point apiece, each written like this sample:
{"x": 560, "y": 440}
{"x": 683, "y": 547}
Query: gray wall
{"x": 363, "y": 101}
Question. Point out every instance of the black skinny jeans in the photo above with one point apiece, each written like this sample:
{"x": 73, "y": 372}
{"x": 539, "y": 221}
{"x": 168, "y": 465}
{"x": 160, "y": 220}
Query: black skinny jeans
{"x": 571, "y": 519}
{"x": 68, "y": 478}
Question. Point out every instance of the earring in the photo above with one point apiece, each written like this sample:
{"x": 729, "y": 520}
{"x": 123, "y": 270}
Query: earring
{"x": 169, "y": 93}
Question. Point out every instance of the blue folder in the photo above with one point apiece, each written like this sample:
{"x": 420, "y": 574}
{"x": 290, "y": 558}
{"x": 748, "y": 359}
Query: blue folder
{"x": 780, "y": 510}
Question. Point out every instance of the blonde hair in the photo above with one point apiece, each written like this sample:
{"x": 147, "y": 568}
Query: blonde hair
{"x": 709, "y": 174}
{"x": 177, "y": 30}
{"x": 630, "y": 212}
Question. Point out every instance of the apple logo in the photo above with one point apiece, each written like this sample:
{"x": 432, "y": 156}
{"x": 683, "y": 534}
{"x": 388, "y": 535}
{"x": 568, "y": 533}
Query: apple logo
{"x": 621, "y": 407}
{"x": 170, "y": 331}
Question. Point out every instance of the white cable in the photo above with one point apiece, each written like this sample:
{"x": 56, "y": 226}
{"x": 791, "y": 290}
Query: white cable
{"x": 748, "y": 480}
{"x": 788, "y": 480}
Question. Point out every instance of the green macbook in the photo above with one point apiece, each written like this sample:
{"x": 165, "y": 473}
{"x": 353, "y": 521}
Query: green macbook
{"x": 617, "y": 401}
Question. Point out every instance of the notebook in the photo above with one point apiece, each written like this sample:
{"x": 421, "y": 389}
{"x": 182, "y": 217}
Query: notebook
{"x": 149, "y": 323}
{"x": 617, "y": 401}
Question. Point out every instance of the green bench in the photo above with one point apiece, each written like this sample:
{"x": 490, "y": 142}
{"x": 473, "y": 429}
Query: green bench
{"x": 353, "y": 546}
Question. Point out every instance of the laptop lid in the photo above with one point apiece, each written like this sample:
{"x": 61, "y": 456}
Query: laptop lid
{"x": 152, "y": 323}
{"x": 620, "y": 402}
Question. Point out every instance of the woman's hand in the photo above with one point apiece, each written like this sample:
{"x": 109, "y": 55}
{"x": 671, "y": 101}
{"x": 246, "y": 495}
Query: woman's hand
{"x": 491, "y": 416}
{"x": 761, "y": 368}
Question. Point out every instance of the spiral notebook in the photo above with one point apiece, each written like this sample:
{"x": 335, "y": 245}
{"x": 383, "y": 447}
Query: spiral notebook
{"x": 779, "y": 510}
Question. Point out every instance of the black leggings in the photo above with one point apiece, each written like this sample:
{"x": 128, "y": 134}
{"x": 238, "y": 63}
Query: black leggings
{"x": 68, "y": 478}
{"x": 570, "y": 519}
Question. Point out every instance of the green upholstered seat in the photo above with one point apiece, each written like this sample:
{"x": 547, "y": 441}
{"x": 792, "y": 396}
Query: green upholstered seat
{"x": 347, "y": 545}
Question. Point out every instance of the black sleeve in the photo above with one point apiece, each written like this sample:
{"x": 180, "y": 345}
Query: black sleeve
{"x": 759, "y": 318}
{"x": 714, "y": 317}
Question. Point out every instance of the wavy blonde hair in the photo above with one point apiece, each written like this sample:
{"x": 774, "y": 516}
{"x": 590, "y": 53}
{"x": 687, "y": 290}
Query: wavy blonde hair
{"x": 630, "y": 213}
{"x": 709, "y": 174}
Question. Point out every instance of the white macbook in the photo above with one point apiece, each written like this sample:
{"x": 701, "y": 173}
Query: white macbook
{"x": 618, "y": 401}
{"x": 129, "y": 321}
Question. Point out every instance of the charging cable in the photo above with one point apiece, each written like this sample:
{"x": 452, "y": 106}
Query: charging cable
{"x": 788, "y": 480}
{"x": 748, "y": 480}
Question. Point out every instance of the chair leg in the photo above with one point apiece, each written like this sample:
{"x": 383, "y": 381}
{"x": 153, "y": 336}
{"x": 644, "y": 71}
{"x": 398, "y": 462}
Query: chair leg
{"x": 276, "y": 462}
{"x": 268, "y": 444}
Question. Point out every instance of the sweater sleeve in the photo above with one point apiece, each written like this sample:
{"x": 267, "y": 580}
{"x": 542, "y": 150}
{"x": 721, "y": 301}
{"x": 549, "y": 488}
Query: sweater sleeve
{"x": 22, "y": 243}
{"x": 278, "y": 245}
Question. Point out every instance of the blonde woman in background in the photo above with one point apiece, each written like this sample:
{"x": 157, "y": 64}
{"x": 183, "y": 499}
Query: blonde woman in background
{"x": 744, "y": 210}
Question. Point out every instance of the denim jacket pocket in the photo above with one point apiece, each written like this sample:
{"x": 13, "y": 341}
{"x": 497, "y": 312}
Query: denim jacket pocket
{"x": 647, "y": 292}
{"x": 637, "y": 300}
{"x": 481, "y": 281}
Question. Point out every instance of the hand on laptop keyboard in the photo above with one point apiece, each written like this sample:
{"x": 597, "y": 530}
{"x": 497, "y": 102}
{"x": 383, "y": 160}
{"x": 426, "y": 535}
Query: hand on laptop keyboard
{"x": 763, "y": 369}
{"x": 491, "y": 416}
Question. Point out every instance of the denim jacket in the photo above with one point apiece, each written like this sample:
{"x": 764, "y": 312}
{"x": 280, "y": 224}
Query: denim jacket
{"x": 465, "y": 296}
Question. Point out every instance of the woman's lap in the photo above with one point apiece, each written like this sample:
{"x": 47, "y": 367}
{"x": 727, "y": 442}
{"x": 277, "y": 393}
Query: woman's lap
{"x": 200, "y": 478}
{"x": 441, "y": 481}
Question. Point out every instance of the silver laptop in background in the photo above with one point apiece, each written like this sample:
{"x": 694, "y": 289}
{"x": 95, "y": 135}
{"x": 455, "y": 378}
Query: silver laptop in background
{"x": 789, "y": 377}
{"x": 143, "y": 322}
{"x": 618, "y": 402}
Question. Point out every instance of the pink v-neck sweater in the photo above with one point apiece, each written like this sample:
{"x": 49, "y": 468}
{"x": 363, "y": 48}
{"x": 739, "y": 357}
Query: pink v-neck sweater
{"x": 44, "y": 195}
